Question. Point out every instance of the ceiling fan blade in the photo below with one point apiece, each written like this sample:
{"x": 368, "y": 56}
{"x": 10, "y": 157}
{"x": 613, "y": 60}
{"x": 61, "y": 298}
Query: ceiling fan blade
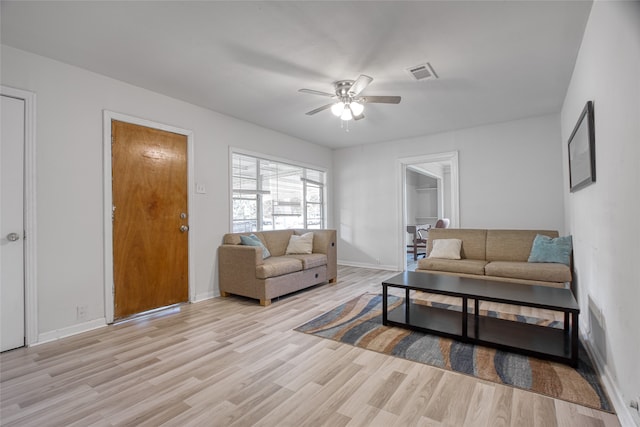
{"x": 317, "y": 110}
{"x": 317, "y": 92}
{"x": 382, "y": 99}
{"x": 360, "y": 84}
{"x": 361, "y": 116}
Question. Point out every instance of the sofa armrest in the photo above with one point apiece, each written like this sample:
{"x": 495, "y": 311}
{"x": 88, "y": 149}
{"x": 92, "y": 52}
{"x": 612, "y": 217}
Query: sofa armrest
{"x": 323, "y": 241}
{"x": 237, "y": 268}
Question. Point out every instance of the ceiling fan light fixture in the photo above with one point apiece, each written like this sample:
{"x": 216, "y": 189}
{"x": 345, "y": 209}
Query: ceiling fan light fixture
{"x": 346, "y": 114}
{"x": 356, "y": 108}
{"x": 337, "y": 109}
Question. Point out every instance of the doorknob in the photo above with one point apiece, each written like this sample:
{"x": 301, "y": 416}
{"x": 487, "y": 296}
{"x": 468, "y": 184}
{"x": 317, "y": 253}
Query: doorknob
{"x": 184, "y": 228}
{"x": 13, "y": 237}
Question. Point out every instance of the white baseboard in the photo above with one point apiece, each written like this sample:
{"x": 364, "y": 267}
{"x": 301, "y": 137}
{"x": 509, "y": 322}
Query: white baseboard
{"x": 205, "y": 296}
{"x": 70, "y": 330}
{"x": 622, "y": 410}
{"x": 368, "y": 265}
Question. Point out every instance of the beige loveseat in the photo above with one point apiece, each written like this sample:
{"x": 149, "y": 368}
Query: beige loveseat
{"x": 499, "y": 255}
{"x": 243, "y": 271}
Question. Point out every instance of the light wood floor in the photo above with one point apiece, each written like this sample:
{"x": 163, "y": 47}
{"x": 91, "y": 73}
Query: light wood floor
{"x": 231, "y": 362}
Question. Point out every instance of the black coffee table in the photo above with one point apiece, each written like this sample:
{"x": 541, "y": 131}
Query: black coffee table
{"x": 540, "y": 341}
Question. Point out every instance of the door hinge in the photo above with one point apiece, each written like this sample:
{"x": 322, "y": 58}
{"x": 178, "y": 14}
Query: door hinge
{"x": 113, "y": 213}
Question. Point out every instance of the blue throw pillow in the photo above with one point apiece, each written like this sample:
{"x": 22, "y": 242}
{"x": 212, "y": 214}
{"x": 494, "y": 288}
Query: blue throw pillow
{"x": 546, "y": 249}
{"x": 253, "y": 240}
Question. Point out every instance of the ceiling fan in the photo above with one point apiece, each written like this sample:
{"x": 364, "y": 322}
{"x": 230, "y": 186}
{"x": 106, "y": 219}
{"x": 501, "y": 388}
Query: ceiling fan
{"x": 348, "y": 104}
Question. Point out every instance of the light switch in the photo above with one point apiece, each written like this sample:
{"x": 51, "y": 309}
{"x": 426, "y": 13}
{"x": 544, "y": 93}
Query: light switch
{"x": 201, "y": 189}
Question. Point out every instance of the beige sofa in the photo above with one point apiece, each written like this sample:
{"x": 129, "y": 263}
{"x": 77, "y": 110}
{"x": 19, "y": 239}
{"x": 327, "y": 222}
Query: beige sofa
{"x": 499, "y": 255}
{"x": 243, "y": 271}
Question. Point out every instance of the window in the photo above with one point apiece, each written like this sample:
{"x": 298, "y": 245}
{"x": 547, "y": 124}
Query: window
{"x": 271, "y": 195}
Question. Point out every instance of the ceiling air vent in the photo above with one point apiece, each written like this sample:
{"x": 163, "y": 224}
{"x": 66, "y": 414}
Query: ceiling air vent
{"x": 422, "y": 72}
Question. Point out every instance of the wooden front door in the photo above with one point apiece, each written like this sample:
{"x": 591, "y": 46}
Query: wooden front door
{"x": 150, "y": 218}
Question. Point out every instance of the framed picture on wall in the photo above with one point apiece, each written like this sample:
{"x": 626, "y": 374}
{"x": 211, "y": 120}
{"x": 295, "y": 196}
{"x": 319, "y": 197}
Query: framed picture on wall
{"x": 582, "y": 151}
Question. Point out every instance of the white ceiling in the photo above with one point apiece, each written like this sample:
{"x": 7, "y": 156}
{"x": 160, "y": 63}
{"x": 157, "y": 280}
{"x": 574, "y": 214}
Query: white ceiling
{"x": 497, "y": 60}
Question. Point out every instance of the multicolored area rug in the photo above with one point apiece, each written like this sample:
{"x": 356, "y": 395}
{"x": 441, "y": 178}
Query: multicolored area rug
{"x": 359, "y": 323}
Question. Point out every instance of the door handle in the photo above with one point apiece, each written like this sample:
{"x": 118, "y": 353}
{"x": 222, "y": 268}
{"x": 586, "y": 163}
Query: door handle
{"x": 13, "y": 237}
{"x": 184, "y": 228}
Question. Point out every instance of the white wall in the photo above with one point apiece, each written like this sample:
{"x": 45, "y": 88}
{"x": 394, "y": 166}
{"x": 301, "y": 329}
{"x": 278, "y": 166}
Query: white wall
{"x": 412, "y": 197}
{"x": 427, "y": 212}
{"x": 70, "y": 104}
{"x": 604, "y": 218}
{"x": 443, "y": 172}
{"x": 446, "y": 194}
{"x": 510, "y": 177}
{"x": 420, "y": 203}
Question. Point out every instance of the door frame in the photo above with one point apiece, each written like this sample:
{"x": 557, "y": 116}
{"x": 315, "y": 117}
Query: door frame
{"x": 30, "y": 229}
{"x": 109, "y": 285}
{"x": 450, "y": 157}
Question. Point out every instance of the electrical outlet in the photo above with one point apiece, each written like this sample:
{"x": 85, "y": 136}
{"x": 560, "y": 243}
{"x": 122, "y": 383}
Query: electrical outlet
{"x": 81, "y": 312}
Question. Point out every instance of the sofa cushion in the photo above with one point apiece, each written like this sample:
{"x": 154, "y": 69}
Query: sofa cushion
{"x": 277, "y": 266}
{"x": 512, "y": 245}
{"x": 473, "y": 241}
{"x": 446, "y": 249}
{"x": 546, "y": 249}
{"x": 232, "y": 238}
{"x": 545, "y": 272}
{"x": 300, "y": 244}
{"x": 469, "y": 266}
{"x": 276, "y": 241}
{"x": 310, "y": 260}
{"x": 321, "y": 240}
{"x": 253, "y": 240}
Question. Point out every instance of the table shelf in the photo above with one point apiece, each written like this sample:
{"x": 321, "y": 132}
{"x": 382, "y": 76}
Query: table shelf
{"x": 535, "y": 340}
{"x": 428, "y": 319}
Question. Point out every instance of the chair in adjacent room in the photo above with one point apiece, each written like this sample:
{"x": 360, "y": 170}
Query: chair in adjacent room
{"x": 418, "y": 241}
{"x": 442, "y": 223}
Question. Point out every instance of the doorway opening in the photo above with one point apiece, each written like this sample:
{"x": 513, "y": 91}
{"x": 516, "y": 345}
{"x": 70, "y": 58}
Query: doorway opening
{"x": 430, "y": 191}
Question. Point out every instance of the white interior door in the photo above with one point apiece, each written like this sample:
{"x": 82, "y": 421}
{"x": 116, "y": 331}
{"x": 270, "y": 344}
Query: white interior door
{"x": 12, "y": 304}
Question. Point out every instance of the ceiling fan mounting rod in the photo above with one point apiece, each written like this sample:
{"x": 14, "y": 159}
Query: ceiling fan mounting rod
{"x": 342, "y": 87}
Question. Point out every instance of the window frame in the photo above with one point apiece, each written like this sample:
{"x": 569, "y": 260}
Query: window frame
{"x": 259, "y": 192}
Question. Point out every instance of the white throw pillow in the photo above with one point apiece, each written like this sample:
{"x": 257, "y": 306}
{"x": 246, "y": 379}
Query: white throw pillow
{"x": 300, "y": 244}
{"x": 446, "y": 249}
